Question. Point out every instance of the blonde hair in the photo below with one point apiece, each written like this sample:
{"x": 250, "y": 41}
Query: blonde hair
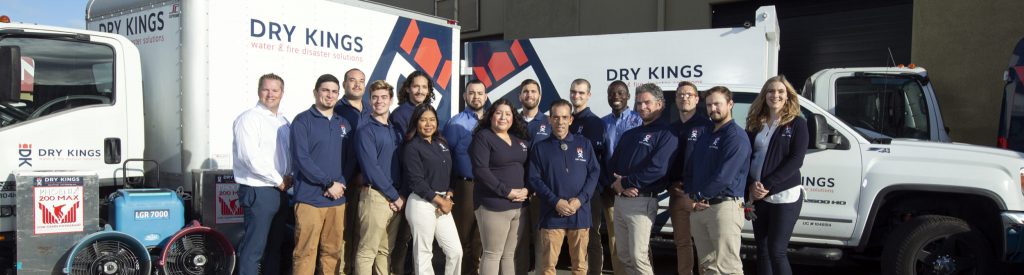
{"x": 760, "y": 113}
{"x": 382, "y": 85}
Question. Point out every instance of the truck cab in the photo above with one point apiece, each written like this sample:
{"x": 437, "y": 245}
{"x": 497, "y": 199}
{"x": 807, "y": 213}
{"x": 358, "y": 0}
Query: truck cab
{"x": 898, "y": 102}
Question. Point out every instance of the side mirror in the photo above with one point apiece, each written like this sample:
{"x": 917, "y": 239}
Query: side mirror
{"x": 10, "y": 74}
{"x": 824, "y": 136}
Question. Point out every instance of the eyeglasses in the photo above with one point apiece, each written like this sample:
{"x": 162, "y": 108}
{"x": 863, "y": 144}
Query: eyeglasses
{"x": 687, "y": 95}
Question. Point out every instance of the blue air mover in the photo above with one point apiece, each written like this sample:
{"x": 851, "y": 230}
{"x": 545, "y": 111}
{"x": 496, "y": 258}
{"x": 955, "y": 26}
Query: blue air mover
{"x": 150, "y": 215}
{"x": 108, "y": 252}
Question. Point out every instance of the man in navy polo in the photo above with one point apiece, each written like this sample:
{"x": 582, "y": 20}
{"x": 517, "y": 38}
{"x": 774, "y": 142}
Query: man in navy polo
{"x": 637, "y": 174}
{"x": 691, "y": 125}
{"x": 719, "y": 179}
{"x": 563, "y": 172}
{"x": 351, "y": 108}
{"x": 320, "y": 142}
{"x": 537, "y": 128}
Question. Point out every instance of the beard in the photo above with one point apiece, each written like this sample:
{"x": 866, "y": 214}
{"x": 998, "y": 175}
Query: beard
{"x": 718, "y": 118}
{"x": 531, "y": 105}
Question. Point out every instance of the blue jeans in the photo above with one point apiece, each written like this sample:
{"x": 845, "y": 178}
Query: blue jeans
{"x": 772, "y": 230}
{"x": 264, "y": 226}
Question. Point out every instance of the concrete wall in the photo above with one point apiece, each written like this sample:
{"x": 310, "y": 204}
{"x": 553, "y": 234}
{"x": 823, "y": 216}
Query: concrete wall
{"x": 965, "y": 46}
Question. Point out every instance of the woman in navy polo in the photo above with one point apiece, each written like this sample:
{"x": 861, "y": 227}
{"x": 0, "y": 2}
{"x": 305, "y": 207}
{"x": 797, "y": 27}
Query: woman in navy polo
{"x": 779, "y": 141}
{"x": 427, "y": 171}
{"x": 498, "y": 153}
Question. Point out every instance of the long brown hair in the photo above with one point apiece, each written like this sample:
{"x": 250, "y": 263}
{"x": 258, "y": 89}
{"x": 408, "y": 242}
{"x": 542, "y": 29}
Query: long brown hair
{"x": 760, "y": 113}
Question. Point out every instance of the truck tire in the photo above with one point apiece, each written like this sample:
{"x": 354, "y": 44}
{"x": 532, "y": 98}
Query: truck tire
{"x": 934, "y": 244}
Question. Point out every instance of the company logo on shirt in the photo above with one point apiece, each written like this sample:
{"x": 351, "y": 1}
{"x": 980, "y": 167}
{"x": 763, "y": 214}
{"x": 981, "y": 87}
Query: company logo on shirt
{"x": 788, "y": 132}
{"x": 443, "y": 148}
{"x": 580, "y": 130}
{"x": 714, "y": 143}
{"x": 344, "y": 130}
{"x": 543, "y": 129}
{"x": 523, "y": 144}
{"x": 579, "y": 154}
{"x": 694, "y": 134}
{"x": 647, "y": 140}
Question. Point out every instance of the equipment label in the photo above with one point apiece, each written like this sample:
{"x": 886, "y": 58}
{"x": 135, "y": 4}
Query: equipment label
{"x": 148, "y": 215}
{"x": 58, "y": 205}
{"x": 228, "y": 208}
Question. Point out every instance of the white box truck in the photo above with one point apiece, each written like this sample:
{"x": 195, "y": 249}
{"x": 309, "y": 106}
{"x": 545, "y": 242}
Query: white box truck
{"x": 877, "y": 184}
{"x": 164, "y": 80}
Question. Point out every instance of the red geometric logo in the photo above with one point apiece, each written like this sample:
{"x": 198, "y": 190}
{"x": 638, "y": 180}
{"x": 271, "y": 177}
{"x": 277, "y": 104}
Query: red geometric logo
{"x": 58, "y": 214}
{"x": 229, "y": 207}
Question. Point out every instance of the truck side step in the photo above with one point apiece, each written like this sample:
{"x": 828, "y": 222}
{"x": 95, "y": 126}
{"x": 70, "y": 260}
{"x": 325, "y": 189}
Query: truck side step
{"x": 802, "y": 255}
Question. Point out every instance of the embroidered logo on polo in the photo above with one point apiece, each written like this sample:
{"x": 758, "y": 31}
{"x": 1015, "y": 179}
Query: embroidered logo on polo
{"x": 714, "y": 143}
{"x": 443, "y": 148}
{"x": 694, "y": 134}
{"x": 647, "y": 140}
{"x": 344, "y": 130}
{"x": 523, "y": 144}
{"x": 579, "y": 130}
{"x": 788, "y": 132}
{"x": 543, "y": 129}
{"x": 579, "y": 154}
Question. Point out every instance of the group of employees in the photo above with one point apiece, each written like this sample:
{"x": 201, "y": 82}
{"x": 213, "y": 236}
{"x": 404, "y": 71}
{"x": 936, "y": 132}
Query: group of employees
{"x": 501, "y": 190}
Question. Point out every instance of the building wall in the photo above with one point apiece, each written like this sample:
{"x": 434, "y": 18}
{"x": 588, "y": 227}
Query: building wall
{"x": 965, "y": 46}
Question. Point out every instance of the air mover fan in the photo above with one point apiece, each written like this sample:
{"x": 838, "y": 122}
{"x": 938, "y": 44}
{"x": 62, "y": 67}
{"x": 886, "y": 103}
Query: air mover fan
{"x": 108, "y": 252}
{"x": 197, "y": 249}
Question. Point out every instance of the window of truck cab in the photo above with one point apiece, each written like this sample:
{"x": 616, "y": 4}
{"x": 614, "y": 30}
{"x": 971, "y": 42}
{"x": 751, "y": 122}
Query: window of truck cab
{"x": 58, "y": 76}
{"x": 891, "y": 105}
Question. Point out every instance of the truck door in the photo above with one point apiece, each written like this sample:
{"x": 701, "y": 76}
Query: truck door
{"x": 69, "y": 114}
{"x": 831, "y": 179}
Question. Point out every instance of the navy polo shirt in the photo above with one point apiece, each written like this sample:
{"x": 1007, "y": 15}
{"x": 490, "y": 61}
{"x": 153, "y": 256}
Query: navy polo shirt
{"x": 643, "y": 156}
{"x": 377, "y": 150}
{"x": 724, "y": 162}
{"x": 321, "y": 154}
{"x": 563, "y": 173}
{"x": 350, "y": 113}
{"x": 401, "y": 115}
{"x": 538, "y": 129}
{"x": 426, "y": 167}
{"x": 688, "y": 132}
{"x": 459, "y": 133}
{"x": 591, "y": 126}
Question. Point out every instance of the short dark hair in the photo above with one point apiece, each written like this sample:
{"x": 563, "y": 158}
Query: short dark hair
{"x": 560, "y": 102}
{"x": 528, "y": 81}
{"x": 474, "y": 81}
{"x": 382, "y": 85}
{"x": 721, "y": 90}
{"x": 618, "y": 83}
{"x": 403, "y": 94}
{"x": 579, "y": 81}
{"x": 325, "y": 78}
{"x": 413, "y": 130}
{"x": 270, "y": 76}
{"x": 685, "y": 83}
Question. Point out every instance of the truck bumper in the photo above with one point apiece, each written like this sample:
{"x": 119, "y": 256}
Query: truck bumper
{"x": 1013, "y": 235}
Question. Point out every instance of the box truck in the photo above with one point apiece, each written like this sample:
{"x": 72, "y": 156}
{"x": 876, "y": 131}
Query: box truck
{"x": 876, "y": 182}
{"x": 164, "y": 80}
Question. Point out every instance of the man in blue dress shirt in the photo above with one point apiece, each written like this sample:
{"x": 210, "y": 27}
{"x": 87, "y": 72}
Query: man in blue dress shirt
{"x": 719, "y": 179}
{"x": 459, "y": 133}
{"x": 563, "y": 172}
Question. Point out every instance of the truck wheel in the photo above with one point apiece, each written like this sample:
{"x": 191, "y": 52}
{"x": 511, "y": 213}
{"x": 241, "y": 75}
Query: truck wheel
{"x": 936, "y": 245}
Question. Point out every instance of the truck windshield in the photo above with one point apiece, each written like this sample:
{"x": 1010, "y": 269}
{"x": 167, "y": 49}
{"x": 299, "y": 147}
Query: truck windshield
{"x": 59, "y": 75}
{"x": 887, "y": 105}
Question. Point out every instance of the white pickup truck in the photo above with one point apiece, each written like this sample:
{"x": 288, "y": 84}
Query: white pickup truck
{"x": 877, "y": 183}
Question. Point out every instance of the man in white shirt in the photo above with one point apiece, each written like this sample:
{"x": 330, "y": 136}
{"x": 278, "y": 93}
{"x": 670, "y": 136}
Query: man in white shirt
{"x": 261, "y": 169}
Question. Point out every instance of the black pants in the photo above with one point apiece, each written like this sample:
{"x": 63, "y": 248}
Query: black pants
{"x": 772, "y": 230}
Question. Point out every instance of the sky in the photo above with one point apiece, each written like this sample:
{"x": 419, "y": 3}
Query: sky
{"x": 62, "y": 13}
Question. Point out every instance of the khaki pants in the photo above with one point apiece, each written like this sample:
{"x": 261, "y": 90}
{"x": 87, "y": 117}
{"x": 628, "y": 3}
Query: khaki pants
{"x": 550, "y": 246}
{"x": 634, "y": 218}
{"x": 526, "y": 250}
{"x": 716, "y": 232}
{"x": 378, "y": 227}
{"x": 601, "y": 207}
{"x": 465, "y": 223}
{"x": 426, "y": 227}
{"x": 499, "y": 234}
{"x": 319, "y": 230}
{"x": 681, "y": 232}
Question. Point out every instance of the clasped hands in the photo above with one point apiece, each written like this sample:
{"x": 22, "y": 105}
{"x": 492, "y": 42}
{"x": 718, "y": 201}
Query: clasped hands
{"x": 336, "y": 191}
{"x": 625, "y": 192}
{"x": 444, "y": 203}
{"x": 518, "y": 195}
{"x": 757, "y": 191}
{"x": 567, "y": 208}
